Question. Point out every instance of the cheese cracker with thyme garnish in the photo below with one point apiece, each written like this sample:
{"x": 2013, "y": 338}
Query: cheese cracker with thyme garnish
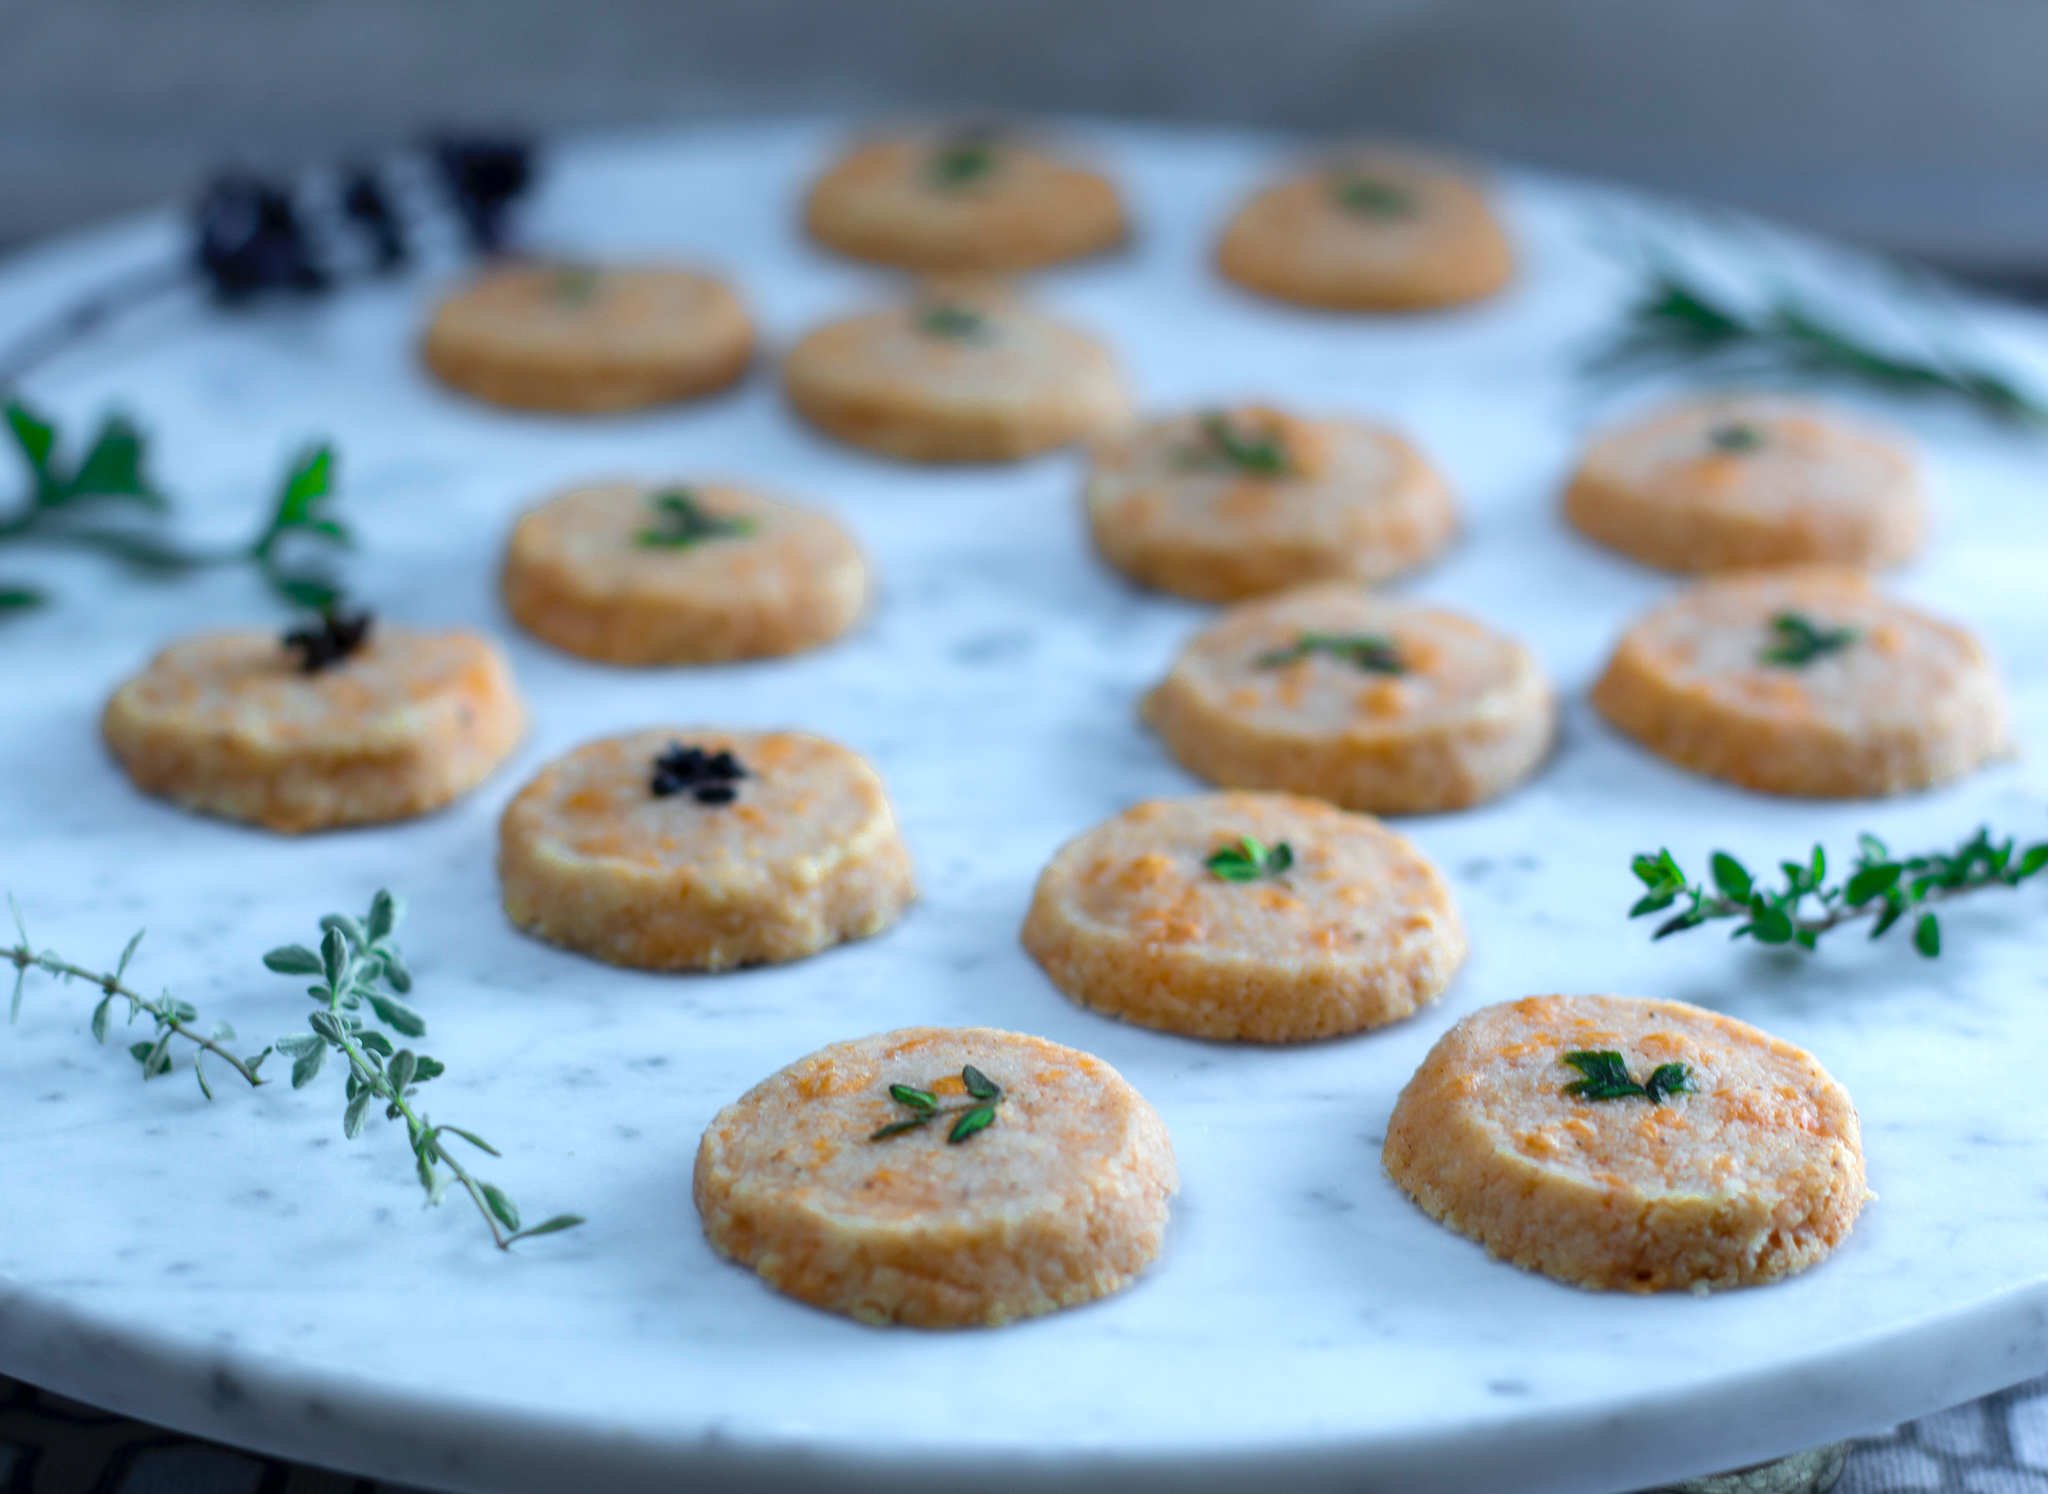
{"x": 1375, "y": 229}
{"x": 1377, "y": 705}
{"x": 704, "y": 850}
{"x": 1228, "y": 504}
{"x": 1805, "y": 681}
{"x": 577, "y": 339}
{"x": 1259, "y": 917}
{"x": 970, "y": 200}
{"x": 681, "y": 575}
{"x": 1630, "y": 1145}
{"x": 964, "y": 373}
{"x": 939, "y": 1178}
{"x": 339, "y": 724}
{"x": 1743, "y": 481}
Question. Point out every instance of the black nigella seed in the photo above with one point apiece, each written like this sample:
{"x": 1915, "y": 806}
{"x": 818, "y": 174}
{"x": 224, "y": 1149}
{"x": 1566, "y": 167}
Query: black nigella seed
{"x": 483, "y": 176}
{"x": 338, "y": 635}
{"x": 250, "y": 240}
{"x": 708, "y": 777}
{"x": 369, "y": 208}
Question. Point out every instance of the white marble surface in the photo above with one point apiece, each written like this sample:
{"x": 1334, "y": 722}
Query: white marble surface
{"x": 240, "y": 1270}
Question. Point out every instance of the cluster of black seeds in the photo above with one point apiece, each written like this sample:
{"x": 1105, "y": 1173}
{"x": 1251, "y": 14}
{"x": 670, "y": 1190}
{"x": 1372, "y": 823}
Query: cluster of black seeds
{"x": 707, "y": 777}
{"x": 337, "y": 635}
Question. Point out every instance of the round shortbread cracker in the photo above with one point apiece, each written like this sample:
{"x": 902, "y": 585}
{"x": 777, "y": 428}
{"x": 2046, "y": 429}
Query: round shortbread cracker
{"x": 232, "y": 724}
{"x": 1359, "y": 931}
{"x": 580, "y": 340}
{"x": 1237, "y": 503}
{"x": 962, "y": 201}
{"x": 799, "y": 853}
{"x": 630, "y": 574}
{"x": 1373, "y": 704}
{"x": 962, "y": 374}
{"x": 1908, "y": 702}
{"x": 1752, "y": 1172}
{"x": 1059, "y": 1200}
{"x": 1743, "y": 481}
{"x": 1376, "y": 229}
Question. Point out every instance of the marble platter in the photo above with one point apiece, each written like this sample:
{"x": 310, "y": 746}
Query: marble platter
{"x": 238, "y": 1270}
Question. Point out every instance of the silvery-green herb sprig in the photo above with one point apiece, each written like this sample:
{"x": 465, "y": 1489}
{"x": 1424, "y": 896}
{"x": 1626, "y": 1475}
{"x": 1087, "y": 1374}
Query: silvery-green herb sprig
{"x": 1676, "y": 322}
{"x": 359, "y": 966}
{"x": 1881, "y": 887}
{"x": 104, "y": 500}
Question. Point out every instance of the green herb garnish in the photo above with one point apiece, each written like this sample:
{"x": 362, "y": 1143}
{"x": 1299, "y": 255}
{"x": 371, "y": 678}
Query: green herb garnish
{"x": 575, "y": 285}
{"x": 81, "y": 505}
{"x": 1262, "y": 455}
{"x": 1606, "y": 1078}
{"x": 358, "y": 965}
{"x": 1880, "y": 886}
{"x": 1735, "y": 437}
{"x": 1676, "y": 323}
{"x": 681, "y": 520}
{"x": 966, "y": 159}
{"x": 946, "y": 319}
{"x": 337, "y": 635}
{"x": 1798, "y": 641}
{"x": 1250, "y": 860}
{"x": 1374, "y": 196}
{"x": 1365, "y": 651}
{"x": 925, "y": 1108}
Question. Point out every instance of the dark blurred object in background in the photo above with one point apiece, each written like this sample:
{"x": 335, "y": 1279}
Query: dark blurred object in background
{"x": 1920, "y": 125}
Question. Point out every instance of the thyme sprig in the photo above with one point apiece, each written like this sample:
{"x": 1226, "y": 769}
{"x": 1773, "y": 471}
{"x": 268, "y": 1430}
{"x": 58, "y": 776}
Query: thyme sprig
{"x": 1260, "y": 453}
{"x": 1797, "y": 640}
{"x": 1366, "y": 651}
{"x": 681, "y": 521}
{"x": 1374, "y": 196}
{"x": 1880, "y": 886}
{"x": 357, "y": 965}
{"x": 175, "y": 1020}
{"x": 951, "y": 320}
{"x": 966, "y": 158}
{"x": 1673, "y": 322}
{"x": 925, "y": 1108}
{"x": 1604, "y": 1076}
{"x": 79, "y": 503}
{"x": 1250, "y": 860}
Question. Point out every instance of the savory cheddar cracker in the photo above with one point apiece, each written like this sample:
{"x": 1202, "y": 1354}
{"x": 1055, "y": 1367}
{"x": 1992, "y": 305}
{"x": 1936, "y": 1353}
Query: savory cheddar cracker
{"x": 1057, "y": 1198}
{"x": 1673, "y": 1148}
{"x": 1259, "y": 917}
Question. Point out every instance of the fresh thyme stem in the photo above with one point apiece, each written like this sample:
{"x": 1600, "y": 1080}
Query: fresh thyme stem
{"x": 1881, "y": 886}
{"x": 1675, "y": 322}
{"x": 173, "y": 1018}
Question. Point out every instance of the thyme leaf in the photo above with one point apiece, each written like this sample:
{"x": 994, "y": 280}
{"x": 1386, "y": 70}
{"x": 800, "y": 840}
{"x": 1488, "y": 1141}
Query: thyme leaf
{"x": 682, "y": 521}
{"x": 1604, "y": 1076}
{"x": 1880, "y": 886}
{"x": 1366, "y": 651}
{"x": 708, "y": 777}
{"x": 1249, "y": 861}
{"x": 1675, "y": 323}
{"x": 950, "y": 320}
{"x": 1798, "y": 641}
{"x": 967, "y": 158}
{"x": 925, "y": 1108}
{"x": 1259, "y": 453}
{"x": 1374, "y": 196}
{"x": 1735, "y": 437}
{"x": 575, "y": 285}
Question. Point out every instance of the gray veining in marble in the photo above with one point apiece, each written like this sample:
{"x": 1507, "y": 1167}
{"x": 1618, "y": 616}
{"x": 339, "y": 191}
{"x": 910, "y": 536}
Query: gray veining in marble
{"x": 240, "y": 1270}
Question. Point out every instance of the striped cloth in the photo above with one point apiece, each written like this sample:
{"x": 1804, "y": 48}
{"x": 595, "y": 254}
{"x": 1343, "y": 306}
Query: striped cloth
{"x": 49, "y": 1445}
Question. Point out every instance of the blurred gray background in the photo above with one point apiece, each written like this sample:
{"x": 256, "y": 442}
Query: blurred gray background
{"x": 1919, "y": 125}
